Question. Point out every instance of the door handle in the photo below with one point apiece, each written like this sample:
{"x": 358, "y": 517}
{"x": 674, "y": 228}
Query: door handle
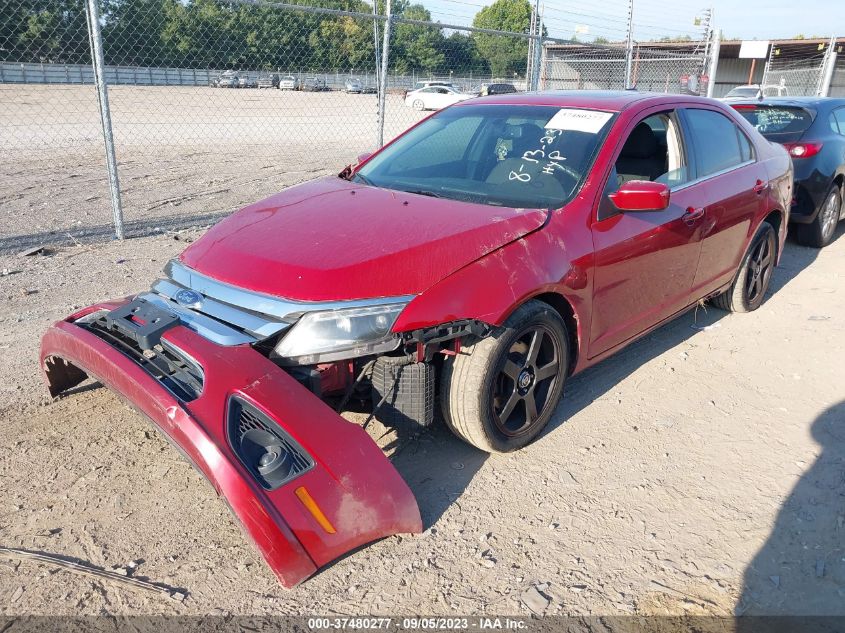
{"x": 693, "y": 214}
{"x": 760, "y": 186}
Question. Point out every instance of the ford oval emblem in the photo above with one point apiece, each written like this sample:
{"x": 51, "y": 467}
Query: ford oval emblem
{"x": 188, "y": 298}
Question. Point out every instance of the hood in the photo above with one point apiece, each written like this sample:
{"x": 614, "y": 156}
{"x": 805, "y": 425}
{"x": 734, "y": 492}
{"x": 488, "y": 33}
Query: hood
{"x": 332, "y": 240}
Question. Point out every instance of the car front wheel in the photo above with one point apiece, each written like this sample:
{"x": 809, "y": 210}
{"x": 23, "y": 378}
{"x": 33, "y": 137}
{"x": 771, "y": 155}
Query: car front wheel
{"x": 751, "y": 282}
{"x": 499, "y": 393}
{"x": 419, "y": 104}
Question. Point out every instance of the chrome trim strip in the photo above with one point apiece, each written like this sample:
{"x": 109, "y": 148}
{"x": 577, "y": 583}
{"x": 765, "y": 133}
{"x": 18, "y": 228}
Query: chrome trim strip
{"x": 284, "y": 309}
{"x": 203, "y": 325}
{"x": 256, "y": 325}
{"x": 713, "y": 175}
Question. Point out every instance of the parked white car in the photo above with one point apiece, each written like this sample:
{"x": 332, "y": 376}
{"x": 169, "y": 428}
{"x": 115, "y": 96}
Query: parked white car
{"x": 753, "y": 91}
{"x": 288, "y": 82}
{"x": 435, "y": 97}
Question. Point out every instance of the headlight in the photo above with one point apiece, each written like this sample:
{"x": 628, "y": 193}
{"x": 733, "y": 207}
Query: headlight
{"x": 336, "y": 334}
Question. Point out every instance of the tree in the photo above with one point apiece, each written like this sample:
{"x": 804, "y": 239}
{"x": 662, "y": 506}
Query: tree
{"x": 417, "y": 47}
{"x": 49, "y": 31}
{"x": 506, "y": 55}
{"x": 461, "y": 55}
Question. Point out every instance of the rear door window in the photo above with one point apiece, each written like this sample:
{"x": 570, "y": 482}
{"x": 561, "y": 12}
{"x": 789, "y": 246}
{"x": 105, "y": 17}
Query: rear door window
{"x": 718, "y": 143}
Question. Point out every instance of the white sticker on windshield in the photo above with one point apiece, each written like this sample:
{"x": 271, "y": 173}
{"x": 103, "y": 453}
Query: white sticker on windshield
{"x": 578, "y": 120}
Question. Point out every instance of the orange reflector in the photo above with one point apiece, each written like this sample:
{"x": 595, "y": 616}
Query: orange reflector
{"x": 312, "y": 507}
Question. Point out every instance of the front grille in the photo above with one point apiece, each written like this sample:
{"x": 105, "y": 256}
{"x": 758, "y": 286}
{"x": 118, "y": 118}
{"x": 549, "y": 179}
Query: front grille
{"x": 179, "y": 375}
{"x": 264, "y": 448}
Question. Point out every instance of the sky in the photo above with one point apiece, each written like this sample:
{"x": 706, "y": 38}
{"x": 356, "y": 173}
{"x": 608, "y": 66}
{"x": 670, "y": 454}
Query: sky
{"x": 740, "y": 19}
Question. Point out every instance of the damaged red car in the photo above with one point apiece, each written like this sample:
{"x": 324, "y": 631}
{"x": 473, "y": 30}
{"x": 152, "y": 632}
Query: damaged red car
{"x": 474, "y": 263}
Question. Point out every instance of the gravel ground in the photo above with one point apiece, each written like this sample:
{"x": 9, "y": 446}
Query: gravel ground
{"x": 699, "y": 471}
{"x": 186, "y": 156}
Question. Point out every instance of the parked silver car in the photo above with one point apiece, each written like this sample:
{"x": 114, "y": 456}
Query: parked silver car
{"x": 269, "y": 81}
{"x": 288, "y": 82}
{"x": 245, "y": 81}
{"x": 314, "y": 84}
{"x": 227, "y": 79}
{"x": 353, "y": 85}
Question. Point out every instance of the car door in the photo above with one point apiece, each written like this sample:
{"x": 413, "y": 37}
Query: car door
{"x": 736, "y": 186}
{"x": 440, "y": 97}
{"x": 645, "y": 262}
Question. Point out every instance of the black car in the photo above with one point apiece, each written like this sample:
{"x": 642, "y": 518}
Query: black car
{"x": 813, "y": 130}
{"x": 497, "y": 89}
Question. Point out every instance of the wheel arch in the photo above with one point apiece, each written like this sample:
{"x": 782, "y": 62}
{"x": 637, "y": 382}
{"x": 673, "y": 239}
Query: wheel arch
{"x": 776, "y": 217}
{"x": 564, "y": 308}
{"x": 839, "y": 181}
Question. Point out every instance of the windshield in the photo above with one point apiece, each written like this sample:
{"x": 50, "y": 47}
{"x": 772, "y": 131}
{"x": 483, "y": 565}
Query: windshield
{"x": 517, "y": 156}
{"x": 777, "y": 122}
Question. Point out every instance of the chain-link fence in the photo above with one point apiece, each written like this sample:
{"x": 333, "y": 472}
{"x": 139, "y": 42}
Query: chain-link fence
{"x": 794, "y": 69}
{"x": 208, "y": 105}
{"x": 170, "y": 113}
{"x": 52, "y": 173}
{"x": 655, "y": 68}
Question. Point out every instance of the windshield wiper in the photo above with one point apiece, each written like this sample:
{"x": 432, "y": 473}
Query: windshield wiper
{"x": 423, "y": 192}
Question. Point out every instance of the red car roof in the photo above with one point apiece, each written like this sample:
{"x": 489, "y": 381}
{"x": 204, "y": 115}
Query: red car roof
{"x": 608, "y": 100}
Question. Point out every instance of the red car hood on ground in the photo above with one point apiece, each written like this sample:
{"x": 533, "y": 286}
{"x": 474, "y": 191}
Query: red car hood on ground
{"x": 330, "y": 239}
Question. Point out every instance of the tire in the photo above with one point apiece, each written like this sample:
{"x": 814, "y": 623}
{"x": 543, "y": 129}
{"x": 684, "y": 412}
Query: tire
{"x": 821, "y": 230}
{"x": 752, "y": 279}
{"x": 497, "y": 372}
{"x": 419, "y": 104}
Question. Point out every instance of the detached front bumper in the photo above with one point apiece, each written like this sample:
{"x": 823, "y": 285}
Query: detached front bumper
{"x": 350, "y": 496}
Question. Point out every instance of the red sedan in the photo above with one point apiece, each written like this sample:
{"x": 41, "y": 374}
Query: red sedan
{"x": 496, "y": 248}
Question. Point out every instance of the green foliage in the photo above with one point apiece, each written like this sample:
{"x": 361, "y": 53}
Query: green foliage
{"x": 219, "y": 34}
{"x": 505, "y": 55}
{"x": 49, "y": 31}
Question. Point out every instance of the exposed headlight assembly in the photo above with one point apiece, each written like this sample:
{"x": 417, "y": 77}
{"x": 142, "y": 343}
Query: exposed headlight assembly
{"x": 320, "y": 337}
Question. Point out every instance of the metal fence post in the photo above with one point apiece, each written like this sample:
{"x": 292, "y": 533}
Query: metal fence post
{"x": 385, "y": 60}
{"x": 714, "y": 63}
{"x": 535, "y": 63}
{"x": 828, "y": 66}
{"x": 629, "y": 46}
{"x": 96, "y": 41}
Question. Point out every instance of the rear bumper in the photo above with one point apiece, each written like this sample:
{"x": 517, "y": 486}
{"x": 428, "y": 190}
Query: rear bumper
{"x": 809, "y": 194}
{"x": 357, "y": 490}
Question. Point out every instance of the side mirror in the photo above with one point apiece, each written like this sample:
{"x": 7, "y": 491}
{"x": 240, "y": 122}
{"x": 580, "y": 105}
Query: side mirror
{"x": 641, "y": 195}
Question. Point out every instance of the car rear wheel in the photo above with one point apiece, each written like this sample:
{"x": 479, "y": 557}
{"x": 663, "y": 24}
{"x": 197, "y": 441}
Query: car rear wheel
{"x": 754, "y": 275}
{"x": 820, "y": 231}
{"x": 419, "y": 104}
{"x": 499, "y": 393}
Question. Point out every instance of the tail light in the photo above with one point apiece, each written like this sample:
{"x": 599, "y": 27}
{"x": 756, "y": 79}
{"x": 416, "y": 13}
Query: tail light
{"x": 803, "y": 150}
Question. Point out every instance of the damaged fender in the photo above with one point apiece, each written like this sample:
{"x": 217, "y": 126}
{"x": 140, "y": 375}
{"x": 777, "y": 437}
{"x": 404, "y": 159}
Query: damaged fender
{"x": 350, "y": 494}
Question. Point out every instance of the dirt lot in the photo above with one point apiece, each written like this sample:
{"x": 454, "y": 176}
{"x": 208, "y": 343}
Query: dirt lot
{"x": 186, "y": 155}
{"x": 699, "y": 471}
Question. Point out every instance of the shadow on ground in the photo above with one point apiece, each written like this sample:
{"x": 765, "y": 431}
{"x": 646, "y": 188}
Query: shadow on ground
{"x": 800, "y": 570}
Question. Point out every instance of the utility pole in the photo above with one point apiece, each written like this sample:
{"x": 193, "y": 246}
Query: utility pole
{"x": 629, "y": 48}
